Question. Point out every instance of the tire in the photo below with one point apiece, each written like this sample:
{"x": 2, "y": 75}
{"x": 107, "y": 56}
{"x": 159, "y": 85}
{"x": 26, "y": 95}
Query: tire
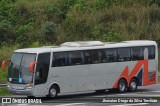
{"x": 53, "y": 91}
{"x": 122, "y": 86}
{"x": 133, "y": 85}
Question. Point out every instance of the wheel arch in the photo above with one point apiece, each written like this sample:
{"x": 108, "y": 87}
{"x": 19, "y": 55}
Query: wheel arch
{"x": 57, "y": 86}
{"x": 123, "y": 79}
{"x": 136, "y": 78}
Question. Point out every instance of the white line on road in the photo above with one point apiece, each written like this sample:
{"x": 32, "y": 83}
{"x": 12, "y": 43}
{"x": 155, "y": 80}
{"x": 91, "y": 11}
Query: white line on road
{"x": 18, "y": 105}
{"x": 154, "y": 91}
{"x": 138, "y": 104}
{"x": 140, "y": 95}
{"x": 71, "y": 104}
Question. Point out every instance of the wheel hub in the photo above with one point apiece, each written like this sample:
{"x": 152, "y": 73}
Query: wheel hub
{"x": 133, "y": 85}
{"x": 122, "y": 86}
{"x": 53, "y": 92}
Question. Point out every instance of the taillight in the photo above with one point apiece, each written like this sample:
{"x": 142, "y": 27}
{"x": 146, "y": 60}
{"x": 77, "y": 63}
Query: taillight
{"x": 29, "y": 86}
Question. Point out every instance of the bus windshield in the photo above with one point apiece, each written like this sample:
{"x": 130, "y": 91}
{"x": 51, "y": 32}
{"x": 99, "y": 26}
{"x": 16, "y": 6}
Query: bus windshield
{"x": 18, "y": 71}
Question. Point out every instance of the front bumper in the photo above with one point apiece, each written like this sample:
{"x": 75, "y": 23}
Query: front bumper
{"x": 21, "y": 92}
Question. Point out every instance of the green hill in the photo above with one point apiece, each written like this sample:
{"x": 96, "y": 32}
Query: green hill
{"x": 23, "y": 22}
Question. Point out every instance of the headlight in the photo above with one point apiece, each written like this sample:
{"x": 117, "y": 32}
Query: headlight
{"x": 8, "y": 86}
{"x": 29, "y": 86}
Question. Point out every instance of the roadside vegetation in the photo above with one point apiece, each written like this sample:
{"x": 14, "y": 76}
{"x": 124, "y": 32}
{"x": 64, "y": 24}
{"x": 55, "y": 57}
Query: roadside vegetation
{"x": 4, "y": 92}
{"x": 33, "y": 23}
{"x": 23, "y": 22}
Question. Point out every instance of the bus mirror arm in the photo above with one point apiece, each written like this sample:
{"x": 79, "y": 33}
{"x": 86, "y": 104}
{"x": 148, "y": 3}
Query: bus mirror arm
{"x": 4, "y": 63}
{"x": 31, "y": 67}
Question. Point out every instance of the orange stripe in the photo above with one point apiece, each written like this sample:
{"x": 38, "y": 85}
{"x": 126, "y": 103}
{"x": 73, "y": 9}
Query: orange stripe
{"x": 125, "y": 74}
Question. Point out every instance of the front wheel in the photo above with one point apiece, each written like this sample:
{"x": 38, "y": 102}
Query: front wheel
{"x": 53, "y": 91}
{"x": 133, "y": 85}
{"x": 122, "y": 86}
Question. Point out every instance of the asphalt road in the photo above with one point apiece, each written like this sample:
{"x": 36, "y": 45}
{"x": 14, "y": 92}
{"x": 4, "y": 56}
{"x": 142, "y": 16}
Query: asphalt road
{"x": 145, "y": 93}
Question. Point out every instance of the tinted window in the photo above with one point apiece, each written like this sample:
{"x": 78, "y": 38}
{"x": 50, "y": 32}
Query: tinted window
{"x": 111, "y": 55}
{"x": 25, "y": 73}
{"x": 59, "y": 59}
{"x": 91, "y": 57}
{"x": 14, "y": 66}
{"x": 42, "y": 68}
{"x": 123, "y": 54}
{"x": 75, "y": 58}
{"x": 18, "y": 71}
{"x": 103, "y": 56}
{"x": 137, "y": 53}
{"x": 151, "y": 52}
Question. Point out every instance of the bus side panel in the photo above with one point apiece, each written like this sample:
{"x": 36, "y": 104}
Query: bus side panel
{"x": 133, "y": 68}
{"x": 83, "y": 77}
{"x": 65, "y": 77}
{"x": 123, "y": 69}
{"x": 152, "y": 72}
{"x": 102, "y": 75}
{"x": 71, "y": 78}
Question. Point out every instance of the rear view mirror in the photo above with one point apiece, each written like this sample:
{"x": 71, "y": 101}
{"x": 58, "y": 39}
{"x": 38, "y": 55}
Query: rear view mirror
{"x": 31, "y": 67}
{"x": 4, "y": 63}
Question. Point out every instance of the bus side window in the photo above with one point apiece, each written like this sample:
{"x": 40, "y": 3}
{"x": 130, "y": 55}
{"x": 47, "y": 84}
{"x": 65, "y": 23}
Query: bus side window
{"x": 103, "y": 56}
{"x": 111, "y": 55}
{"x": 137, "y": 53}
{"x": 87, "y": 57}
{"x": 124, "y": 54}
{"x": 75, "y": 57}
{"x": 92, "y": 57}
{"x": 151, "y": 52}
{"x": 59, "y": 59}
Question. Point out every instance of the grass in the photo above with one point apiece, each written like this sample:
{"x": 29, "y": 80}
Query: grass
{"x": 4, "y": 92}
{"x": 158, "y": 98}
{"x": 3, "y": 76}
{"x": 5, "y": 53}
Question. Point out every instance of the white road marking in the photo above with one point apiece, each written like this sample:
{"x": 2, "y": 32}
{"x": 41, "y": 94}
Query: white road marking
{"x": 71, "y": 104}
{"x": 140, "y": 95}
{"x": 19, "y": 105}
{"x": 130, "y": 94}
{"x": 154, "y": 91}
{"x": 131, "y": 104}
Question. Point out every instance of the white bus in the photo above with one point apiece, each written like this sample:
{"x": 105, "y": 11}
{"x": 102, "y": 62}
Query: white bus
{"x": 82, "y": 66}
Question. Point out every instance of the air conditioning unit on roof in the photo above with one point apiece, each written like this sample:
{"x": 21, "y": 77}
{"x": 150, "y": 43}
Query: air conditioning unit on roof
{"x": 83, "y": 44}
{"x": 49, "y": 46}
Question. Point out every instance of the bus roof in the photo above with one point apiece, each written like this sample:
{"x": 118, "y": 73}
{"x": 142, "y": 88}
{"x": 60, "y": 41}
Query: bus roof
{"x": 86, "y": 45}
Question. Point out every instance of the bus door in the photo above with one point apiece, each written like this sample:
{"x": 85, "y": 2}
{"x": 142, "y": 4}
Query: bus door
{"x": 41, "y": 74}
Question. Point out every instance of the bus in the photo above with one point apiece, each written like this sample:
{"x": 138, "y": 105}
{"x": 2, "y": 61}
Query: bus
{"x": 82, "y": 66}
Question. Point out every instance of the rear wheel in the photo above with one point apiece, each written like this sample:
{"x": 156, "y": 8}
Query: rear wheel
{"x": 53, "y": 91}
{"x": 122, "y": 85}
{"x": 133, "y": 85}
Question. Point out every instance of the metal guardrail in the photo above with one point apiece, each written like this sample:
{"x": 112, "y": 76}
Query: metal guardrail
{"x": 3, "y": 85}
